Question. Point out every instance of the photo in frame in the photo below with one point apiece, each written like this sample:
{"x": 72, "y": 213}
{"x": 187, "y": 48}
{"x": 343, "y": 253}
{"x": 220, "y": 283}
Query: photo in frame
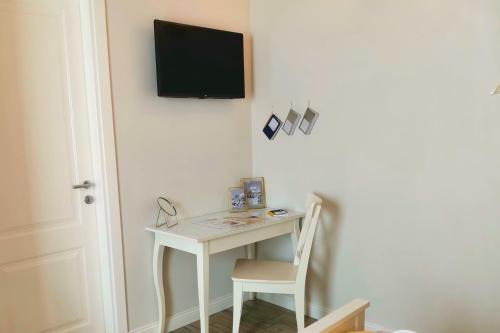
{"x": 237, "y": 199}
{"x": 255, "y": 192}
{"x": 272, "y": 127}
{"x": 291, "y": 122}
{"x": 308, "y": 121}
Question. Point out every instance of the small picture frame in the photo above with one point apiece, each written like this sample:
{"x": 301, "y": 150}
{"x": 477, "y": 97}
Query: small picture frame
{"x": 255, "y": 192}
{"x": 237, "y": 200}
{"x": 308, "y": 121}
{"x": 272, "y": 127}
{"x": 291, "y": 122}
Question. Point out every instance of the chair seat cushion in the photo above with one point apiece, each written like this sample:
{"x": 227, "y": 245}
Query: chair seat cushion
{"x": 264, "y": 271}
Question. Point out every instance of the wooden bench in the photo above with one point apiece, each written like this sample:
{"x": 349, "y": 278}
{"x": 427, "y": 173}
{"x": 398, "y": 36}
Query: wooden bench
{"x": 349, "y": 318}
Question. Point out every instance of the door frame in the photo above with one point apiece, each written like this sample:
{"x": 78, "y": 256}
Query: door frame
{"x": 100, "y": 107}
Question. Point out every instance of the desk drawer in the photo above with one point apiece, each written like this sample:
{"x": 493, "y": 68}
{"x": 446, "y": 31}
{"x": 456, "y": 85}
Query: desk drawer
{"x": 245, "y": 238}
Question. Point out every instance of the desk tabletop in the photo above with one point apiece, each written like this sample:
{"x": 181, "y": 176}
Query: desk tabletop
{"x": 195, "y": 228}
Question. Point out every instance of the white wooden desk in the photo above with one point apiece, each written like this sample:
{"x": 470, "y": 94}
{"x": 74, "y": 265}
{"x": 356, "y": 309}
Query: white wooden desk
{"x": 203, "y": 241}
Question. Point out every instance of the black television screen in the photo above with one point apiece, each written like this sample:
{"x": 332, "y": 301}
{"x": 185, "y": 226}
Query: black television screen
{"x": 198, "y": 62}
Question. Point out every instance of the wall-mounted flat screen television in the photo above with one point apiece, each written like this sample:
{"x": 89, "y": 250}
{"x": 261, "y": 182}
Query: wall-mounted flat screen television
{"x": 198, "y": 62}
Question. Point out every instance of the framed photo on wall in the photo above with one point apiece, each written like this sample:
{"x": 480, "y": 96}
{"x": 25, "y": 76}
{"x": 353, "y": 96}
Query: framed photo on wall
{"x": 255, "y": 192}
{"x": 236, "y": 199}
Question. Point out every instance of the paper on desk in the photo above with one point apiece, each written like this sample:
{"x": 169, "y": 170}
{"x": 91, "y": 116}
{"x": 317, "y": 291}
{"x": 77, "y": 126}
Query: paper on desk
{"x": 230, "y": 221}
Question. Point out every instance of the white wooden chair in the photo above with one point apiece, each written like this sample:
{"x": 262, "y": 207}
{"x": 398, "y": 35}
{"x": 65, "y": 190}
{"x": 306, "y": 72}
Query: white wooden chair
{"x": 278, "y": 277}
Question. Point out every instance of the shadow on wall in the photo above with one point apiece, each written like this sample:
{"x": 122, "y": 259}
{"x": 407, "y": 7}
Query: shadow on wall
{"x": 322, "y": 265}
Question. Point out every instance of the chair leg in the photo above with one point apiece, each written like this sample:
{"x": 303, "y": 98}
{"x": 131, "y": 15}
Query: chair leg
{"x": 237, "y": 305}
{"x": 299, "y": 308}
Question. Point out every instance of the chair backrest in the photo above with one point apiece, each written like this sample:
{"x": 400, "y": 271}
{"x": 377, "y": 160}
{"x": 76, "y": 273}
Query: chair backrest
{"x": 304, "y": 245}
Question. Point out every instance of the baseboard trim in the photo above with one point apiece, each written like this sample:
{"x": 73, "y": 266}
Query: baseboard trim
{"x": 149, "y": 328}
{"x": 313, "y": 310}
{"x": 193, "y": 314}
{"x": 188, "y": 316}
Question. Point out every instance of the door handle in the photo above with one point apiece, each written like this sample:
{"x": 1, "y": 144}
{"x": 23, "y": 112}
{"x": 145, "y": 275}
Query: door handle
{"x": 86, "y": 185}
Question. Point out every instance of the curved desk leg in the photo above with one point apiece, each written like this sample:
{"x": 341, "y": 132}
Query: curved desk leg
{"x": 251, "y": 255}
{"x": 203, "y": 285}
{"x": 158, "y": 280}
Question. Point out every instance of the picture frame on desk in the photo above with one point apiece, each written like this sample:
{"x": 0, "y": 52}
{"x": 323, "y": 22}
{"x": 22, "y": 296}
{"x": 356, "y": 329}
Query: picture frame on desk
{"x": 237, "y": 200}
{"x": 255, "y": 192}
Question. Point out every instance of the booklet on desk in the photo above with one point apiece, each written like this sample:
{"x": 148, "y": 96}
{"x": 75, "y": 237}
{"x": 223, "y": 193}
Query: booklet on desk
{"x": 278, "y": 212}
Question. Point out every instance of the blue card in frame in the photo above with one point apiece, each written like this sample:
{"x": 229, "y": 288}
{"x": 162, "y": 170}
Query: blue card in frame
{"x": 272, "y": 127}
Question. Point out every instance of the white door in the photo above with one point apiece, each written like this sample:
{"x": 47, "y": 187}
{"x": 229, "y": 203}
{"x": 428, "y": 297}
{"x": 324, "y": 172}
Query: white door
{"x": 49, "y": 260}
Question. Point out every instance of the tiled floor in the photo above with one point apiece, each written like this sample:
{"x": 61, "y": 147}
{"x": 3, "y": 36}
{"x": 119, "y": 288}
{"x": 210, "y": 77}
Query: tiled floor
{"x": 258, "y": 316}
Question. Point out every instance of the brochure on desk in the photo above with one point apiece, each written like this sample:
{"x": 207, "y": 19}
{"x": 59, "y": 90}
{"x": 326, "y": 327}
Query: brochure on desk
{"x": 235, "y": 220}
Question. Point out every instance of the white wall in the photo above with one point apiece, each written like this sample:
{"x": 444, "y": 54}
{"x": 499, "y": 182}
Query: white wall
{"x": 406, "y": 152}
{"x": 186, "y": 149}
